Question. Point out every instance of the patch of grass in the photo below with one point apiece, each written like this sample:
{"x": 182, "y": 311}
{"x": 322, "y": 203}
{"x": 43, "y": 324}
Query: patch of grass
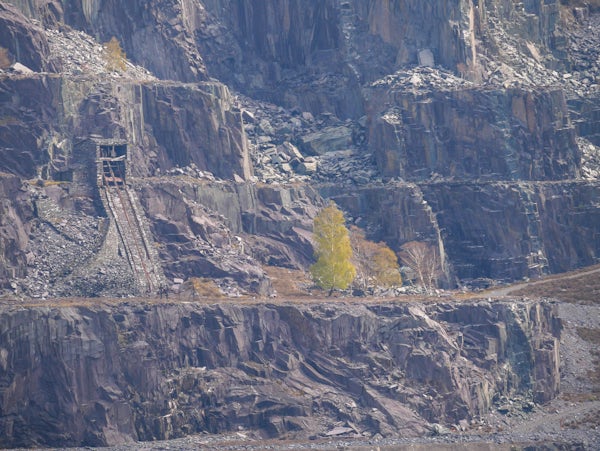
{"x": 202, "y": 287}
{"x": 594, "y": 5}
{"x": 5, "y": 60}
{"x": 42, "y": 183}
{"x": 579, "y": 397}
{"x": 589, "y": 334}
{"x": 9, "y": 120}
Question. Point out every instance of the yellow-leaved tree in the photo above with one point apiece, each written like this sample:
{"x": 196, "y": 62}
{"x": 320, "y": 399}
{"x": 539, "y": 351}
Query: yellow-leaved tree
{"x": 333, "y": 269}
{"x": 376, "y": 264}
{"x": 387, "y": 271}
{"x": 116, "y": 60}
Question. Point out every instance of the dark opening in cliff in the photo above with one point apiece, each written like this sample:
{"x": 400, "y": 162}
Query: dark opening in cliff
{"x": 112, "y": 156}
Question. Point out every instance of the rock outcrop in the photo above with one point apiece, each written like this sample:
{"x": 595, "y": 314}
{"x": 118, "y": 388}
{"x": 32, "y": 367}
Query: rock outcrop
{"x": 466, "y": 124}
{"x": 227, "y": 231}
{"x": 25, "y": 42}
{"x": 49, "y": 134}
{"x": 91, "y": 376}
{"x": 139, "y": 26}
{"x": 16, "y": 214}
{"x": 167, "y": 124}
{"x": 512, "y": 134}
{"x": 481, "y": 237}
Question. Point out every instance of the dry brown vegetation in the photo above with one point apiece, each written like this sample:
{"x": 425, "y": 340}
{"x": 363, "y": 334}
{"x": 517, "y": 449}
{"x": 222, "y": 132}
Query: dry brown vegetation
{"x": 581, "y": 287}
{"x": 589, "y": 419}
{"x": 5, "y": 61}
{"x": 201, "y": 287}
{"x": 593, "y": 336}
{"x": 116, "y": 60}
{"x": 288, "y": 282}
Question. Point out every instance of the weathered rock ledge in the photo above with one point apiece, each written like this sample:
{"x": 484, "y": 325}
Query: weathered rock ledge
{"x": 108, "y": 374}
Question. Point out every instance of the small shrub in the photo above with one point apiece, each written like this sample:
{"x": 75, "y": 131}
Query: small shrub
{"x": 116, "y": 60}
{"x": 5, "y": 61}
{"x": 203, "y": 288}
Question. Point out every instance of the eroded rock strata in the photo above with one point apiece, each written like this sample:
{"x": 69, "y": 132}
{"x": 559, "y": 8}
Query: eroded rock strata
{"x": 397, "y": 102}
{"x": 100, "y": 375}
{"x": 468, "y": 124}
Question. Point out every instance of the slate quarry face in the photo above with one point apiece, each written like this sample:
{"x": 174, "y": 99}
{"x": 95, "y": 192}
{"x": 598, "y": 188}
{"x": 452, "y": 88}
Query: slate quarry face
{"x": 470, "y": 125}
{"x": 97, "y": 376}
{"x": 458, "y": 123}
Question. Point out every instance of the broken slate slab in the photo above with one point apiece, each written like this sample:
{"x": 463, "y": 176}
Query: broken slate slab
{"x": 327, "y": 140}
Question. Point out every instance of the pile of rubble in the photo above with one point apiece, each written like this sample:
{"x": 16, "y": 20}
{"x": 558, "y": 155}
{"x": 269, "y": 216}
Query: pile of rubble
{"x": 584, "y": 50}
{"x": 190, "y": 171}
{"x": 422, "y": 78}
{"x": 294, "y": 146}
{"x": 518, "y": 63}
{"x": 590, "y": 159}
{"x": 60, "y": 242}
{"x": 348, "y": 167}
{"x": 521, "y": 63}
{"x": 79, "y": 54}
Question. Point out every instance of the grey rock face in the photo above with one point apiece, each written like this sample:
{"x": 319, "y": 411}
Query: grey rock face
{"x": 16, "y": 214}
{"x": 138, "y": 25}
{"x": 47, "y": 142}
{"x": 346, "y": 83}
{"x": 225, "y": 231}
{"x": 326, "y": 140}
{"x": 497, "y": 230}
{"x": 472, "y": 133}
{"x": 160, "y": 118}
{"x": 26, "y": 43}
{"x": 194, "y": 124}
{"x": 99, "y": 375}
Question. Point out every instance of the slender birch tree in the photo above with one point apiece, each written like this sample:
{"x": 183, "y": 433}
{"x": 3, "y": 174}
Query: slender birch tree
{"x": 333, "y": 269}
{"x": 425, "y": 261}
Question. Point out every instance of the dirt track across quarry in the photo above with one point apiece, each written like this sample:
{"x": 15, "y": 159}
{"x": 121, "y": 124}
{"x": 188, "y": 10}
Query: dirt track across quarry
{"x": 588, "y": 276}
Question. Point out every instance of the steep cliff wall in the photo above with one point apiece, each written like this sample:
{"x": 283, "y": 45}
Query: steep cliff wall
{"x": 47, "y": 119}
{"x": 48, "y": 128}
{"x": 411, "y": 26}
{"x": 515, "y": 134}
{"x": 195, "y": 124}
{"x": 27, "y": 123}
{"x": 267, "y": 38}
{"x": 219, "y": 230}
{"x": 106, "y": 375}
{"x": 498, "y": 230}
{"x": 16, "y": 212}
{"x": 516, "y": 230}
{"x": 26, "y": 43}
{"x": 138, "y": 25}
{"x": 435, "y": 92}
